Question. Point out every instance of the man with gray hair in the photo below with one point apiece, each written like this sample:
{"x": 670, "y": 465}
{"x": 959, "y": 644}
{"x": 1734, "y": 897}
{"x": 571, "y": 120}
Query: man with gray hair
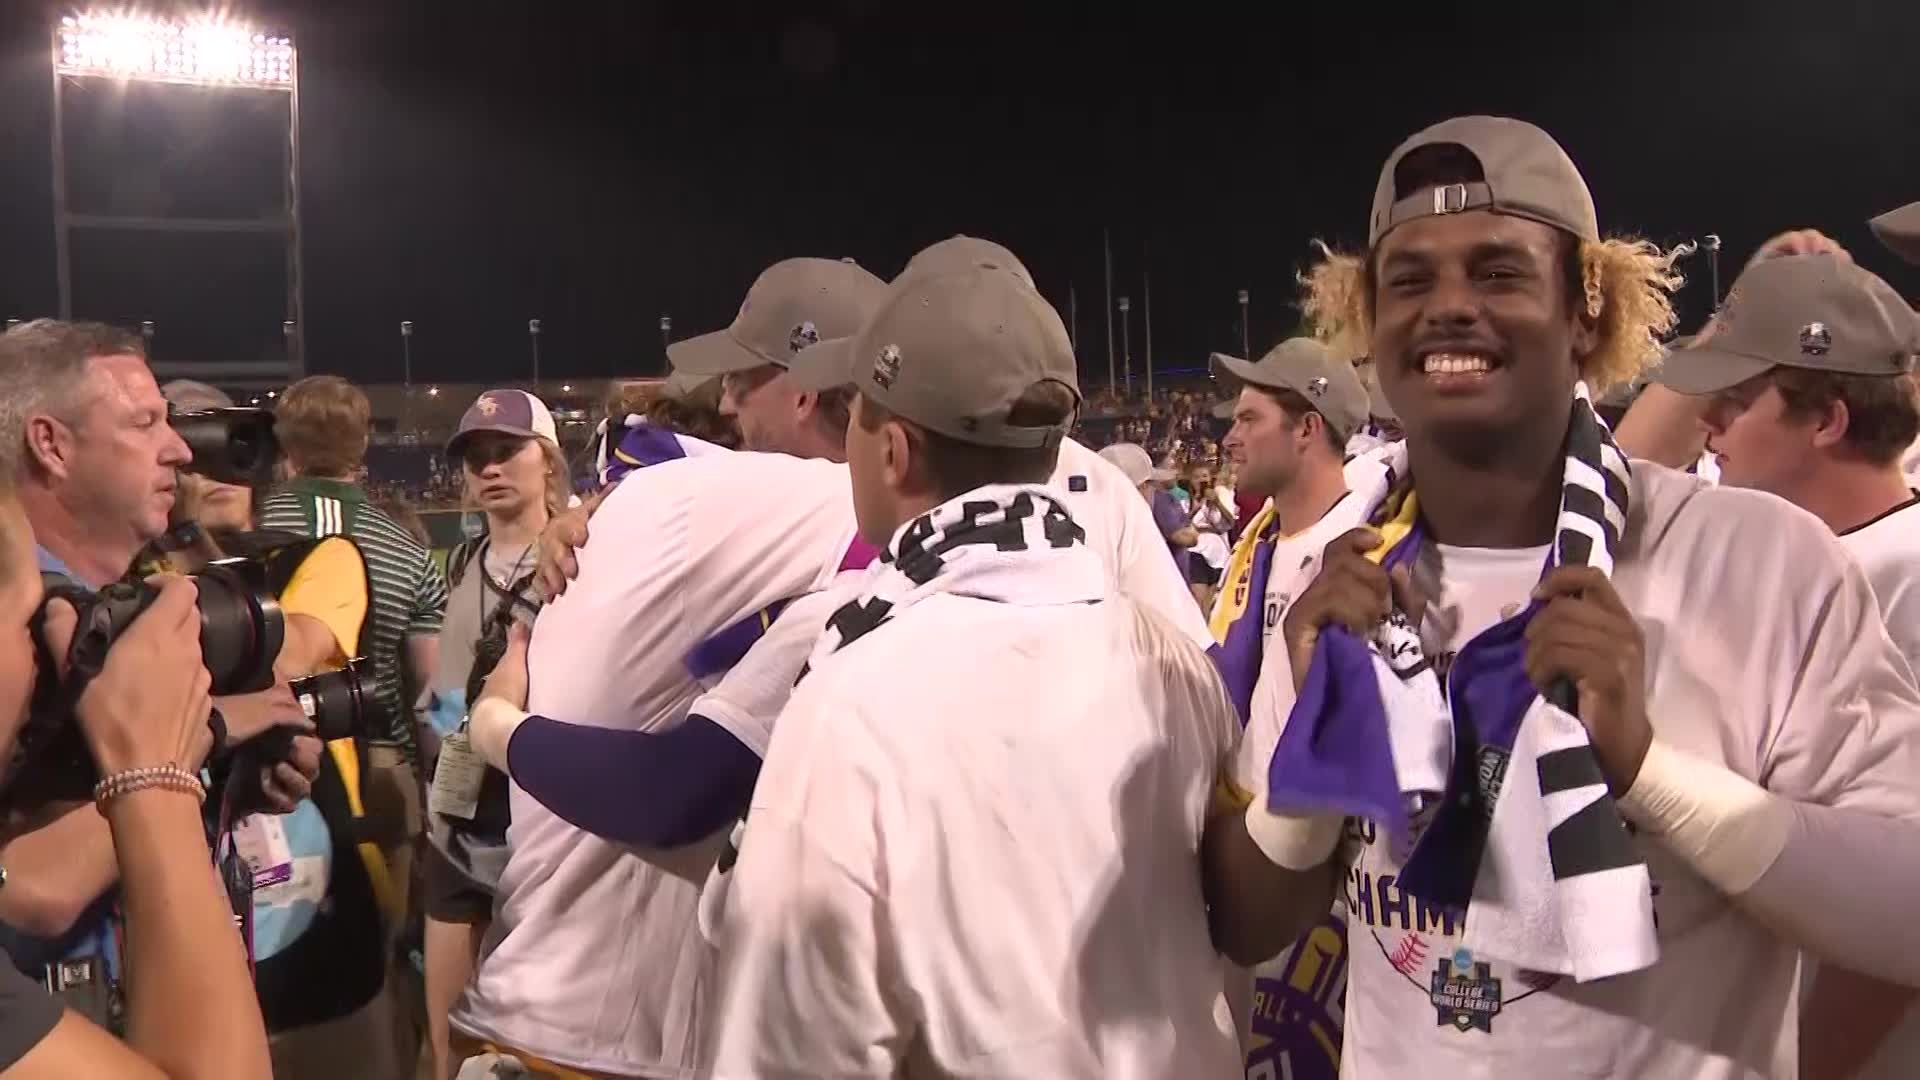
{"x": 86, "y": 426}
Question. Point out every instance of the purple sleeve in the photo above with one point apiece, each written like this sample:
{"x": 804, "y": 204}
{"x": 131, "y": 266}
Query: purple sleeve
{"x": 658, "y": 790}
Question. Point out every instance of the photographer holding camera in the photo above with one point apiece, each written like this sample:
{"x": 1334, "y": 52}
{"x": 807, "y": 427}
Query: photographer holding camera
{"x": 320, "y": 894}
{"x": 143, "y": 718}
{"x": 95, "y": 462}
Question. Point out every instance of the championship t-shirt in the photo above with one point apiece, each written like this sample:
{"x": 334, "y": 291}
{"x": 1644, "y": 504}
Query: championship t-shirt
{"x": 593, "y": 960}
{"x": 959, "y": 863}
{"x": 1817, "y": 709}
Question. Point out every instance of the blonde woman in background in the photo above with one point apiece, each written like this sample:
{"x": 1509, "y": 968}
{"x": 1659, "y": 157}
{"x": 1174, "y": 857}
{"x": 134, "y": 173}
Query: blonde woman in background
{"x": 508, "y": 454}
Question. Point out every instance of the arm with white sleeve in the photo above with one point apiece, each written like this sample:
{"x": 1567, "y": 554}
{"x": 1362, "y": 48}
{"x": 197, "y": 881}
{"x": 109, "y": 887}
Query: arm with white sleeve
{"x": 1838, "y": 801}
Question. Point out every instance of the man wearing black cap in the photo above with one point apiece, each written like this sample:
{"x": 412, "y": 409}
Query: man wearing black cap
{"x": 970, "y": 848}
{"x": 1764, "y": 744}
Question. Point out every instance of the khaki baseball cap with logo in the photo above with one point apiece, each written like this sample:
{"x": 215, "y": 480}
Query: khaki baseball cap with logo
{"x": 1900, "y": 231}
{"x": 1305, "y": 367}
{"x": 953, "y": 353}
{"x": 1526, "y": 174}
{"x": 1820, "y": 312}
{"x": 793, "y": 304}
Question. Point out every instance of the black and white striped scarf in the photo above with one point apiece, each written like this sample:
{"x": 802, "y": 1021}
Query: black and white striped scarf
{"x": 1009, "y": 543}
{"x": 1524, "y": 836}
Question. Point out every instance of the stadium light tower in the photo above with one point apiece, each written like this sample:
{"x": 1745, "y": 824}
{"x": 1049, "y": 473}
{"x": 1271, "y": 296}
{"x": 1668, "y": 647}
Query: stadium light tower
{"x": 209, "y": 50}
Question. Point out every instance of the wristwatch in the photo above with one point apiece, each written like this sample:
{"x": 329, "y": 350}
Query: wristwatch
{"x": 180, "y": 537}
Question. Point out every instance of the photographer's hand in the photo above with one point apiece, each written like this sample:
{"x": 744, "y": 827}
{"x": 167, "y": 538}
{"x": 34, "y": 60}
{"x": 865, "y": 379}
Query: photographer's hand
{"x": 286, "y": 784}
{"x": 149, "y": 704}
{"x": 248, "y": 715}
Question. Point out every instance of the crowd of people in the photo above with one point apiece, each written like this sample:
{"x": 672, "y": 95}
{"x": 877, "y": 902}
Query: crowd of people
{"x": 1403, "y": 701}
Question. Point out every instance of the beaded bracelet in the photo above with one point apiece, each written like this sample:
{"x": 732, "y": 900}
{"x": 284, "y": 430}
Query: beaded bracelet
{"x": 126, "y": 782}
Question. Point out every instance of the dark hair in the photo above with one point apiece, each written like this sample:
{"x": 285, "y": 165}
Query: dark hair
{"x": 833, "y": 410}
{"x": 1438, "y": 164}
{"x": 1883, "y": 415}
{"x": 950, "y": 467}
{"x": 1297, "y": 407}
{"x": 695, "y": 418}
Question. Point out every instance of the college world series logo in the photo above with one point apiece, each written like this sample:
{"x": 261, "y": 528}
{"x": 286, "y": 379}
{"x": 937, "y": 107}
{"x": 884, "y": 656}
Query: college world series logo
{"x": 1465, "y": 993}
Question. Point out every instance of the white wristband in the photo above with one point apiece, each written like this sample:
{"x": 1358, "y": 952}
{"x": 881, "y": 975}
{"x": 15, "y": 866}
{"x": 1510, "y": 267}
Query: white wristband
{"x": 1293, "y": 842}
{"x": 1728, "y": 828}
{"x": 490, "y": 725}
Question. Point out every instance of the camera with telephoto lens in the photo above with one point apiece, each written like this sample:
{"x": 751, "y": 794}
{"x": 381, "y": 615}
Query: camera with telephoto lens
{"x": 241, "y": 631}
{"x": 232, "y": 446}
{"x": 334, "y": 700}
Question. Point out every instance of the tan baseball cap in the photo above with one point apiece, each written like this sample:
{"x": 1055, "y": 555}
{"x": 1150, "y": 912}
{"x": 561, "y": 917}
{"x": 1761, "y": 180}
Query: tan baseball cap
{"x": 793, "y": 304}
{"x": 953, "y": 353}
{"x": 1526, "y": 173}
{"x": 1900, "y": 231}
{"x": 1820, "y": 312}
{"x": 1305, "y": 367}
{"x": 957, "y": 253}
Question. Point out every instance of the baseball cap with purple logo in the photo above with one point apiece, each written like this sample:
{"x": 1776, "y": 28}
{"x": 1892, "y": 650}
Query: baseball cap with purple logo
{"x": 510, "y": 412}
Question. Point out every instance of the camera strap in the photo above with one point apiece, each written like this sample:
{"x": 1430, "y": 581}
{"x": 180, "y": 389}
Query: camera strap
{"x": 86, "y": 654}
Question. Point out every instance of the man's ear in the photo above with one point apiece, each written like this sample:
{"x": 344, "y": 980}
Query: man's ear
{"x": 897, "y": 458}
{"x": 49, "y": 446}
{"x": 1830, "y": 429}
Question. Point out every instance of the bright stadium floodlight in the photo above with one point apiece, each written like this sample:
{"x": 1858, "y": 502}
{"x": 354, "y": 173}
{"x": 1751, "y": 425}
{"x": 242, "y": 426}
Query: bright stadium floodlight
{"x": 215, "y": 50}
{"x": 208, "y": 51}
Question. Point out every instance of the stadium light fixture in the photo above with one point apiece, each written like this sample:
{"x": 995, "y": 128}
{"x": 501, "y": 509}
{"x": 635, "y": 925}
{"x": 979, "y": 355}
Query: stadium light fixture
{"x": 201, "y": 51}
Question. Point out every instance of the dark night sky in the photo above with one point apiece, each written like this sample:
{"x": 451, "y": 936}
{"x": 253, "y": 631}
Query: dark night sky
{"x": 468, "y": 166}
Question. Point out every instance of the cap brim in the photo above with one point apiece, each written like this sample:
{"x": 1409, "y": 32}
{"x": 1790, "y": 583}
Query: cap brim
{"x": 1162, "y": 476}
{"x": 1899, "y": 230}
{"x": 1226, "y": 409}
{"x": 824, "y": 366}
{"x": 1234, "y": 368}
{"x": 713, "y": 354}
{"x": 460, "y": 439}
{"x": 1707, "y": 370}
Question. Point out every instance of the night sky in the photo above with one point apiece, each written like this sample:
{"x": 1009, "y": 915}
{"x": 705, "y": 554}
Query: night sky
{"x": 469, "y": 166}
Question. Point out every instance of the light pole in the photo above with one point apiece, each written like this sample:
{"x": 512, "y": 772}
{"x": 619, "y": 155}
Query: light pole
{"x": 666, "y": 339}
{"x": 290, "y": 336}
{"x": 208, "y": 52}
{"x": 1126, "y": 346}
{"x": 1146, "y": 314}
{"x": 146, "y": 335}
{"x": 1246, "y": 336}
{"x": 533, "y": 338}
{"x": 406, "y": 374}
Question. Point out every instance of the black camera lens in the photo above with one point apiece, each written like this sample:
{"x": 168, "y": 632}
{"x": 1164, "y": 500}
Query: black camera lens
{"x": 333, "y": 700}
{"x": 241, "y": 628}
{"x": 232, "y": 446}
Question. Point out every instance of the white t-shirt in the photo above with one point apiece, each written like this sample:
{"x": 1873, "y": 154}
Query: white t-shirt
{"x": 973, "y": 851}
{"x": 1766, "y": 681}
{"x": 1888, "y": 549}
{"x": 592, "y": 960}
{"x": 1121, "y": 530}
